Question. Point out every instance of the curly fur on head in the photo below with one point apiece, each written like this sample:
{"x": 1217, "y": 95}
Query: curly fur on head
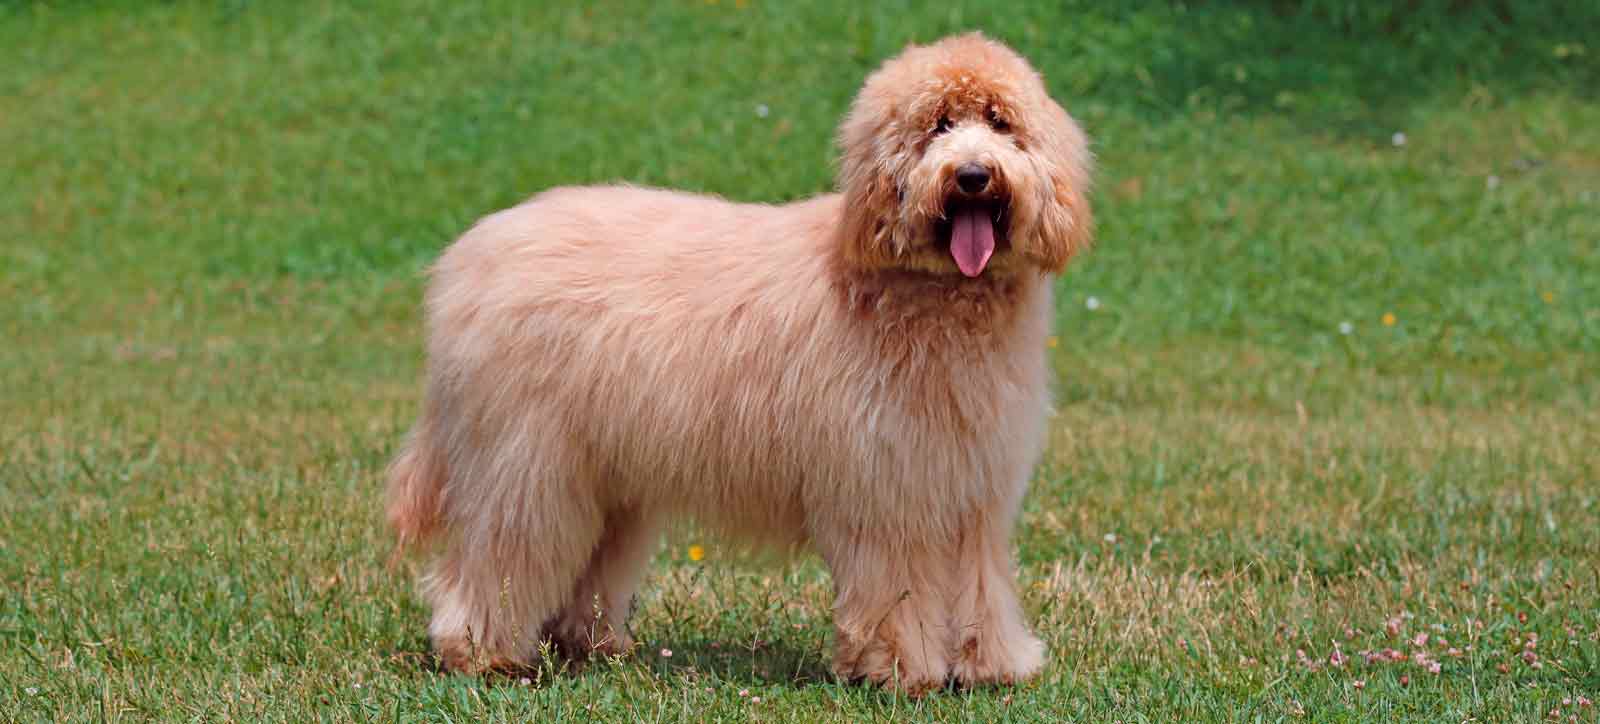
{"x": 861, "y": 372}
{"x": 936, "y": 108}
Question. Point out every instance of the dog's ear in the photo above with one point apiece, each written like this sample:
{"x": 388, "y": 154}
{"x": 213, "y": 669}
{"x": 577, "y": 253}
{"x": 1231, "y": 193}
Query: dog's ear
{"x": 869, "y": 220}
{"x": 1065, "y": 224}
{"x": 867, "y": 229}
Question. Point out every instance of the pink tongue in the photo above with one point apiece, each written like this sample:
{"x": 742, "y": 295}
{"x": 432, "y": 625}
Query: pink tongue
{"x": 972, "y": 240}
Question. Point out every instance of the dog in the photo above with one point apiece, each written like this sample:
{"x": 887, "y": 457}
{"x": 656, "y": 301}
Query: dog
{"x": 862, "y": 373}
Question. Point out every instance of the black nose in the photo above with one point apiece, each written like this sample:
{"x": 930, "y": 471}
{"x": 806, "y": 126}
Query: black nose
{"x": 972, "y": 178}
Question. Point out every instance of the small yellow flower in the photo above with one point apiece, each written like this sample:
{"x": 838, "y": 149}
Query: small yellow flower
{"x": 1052, "y": 342}
{"x": 1388, "y": 319}
{"x": 1549, "y": 297}
{"x": 696, "y": 553}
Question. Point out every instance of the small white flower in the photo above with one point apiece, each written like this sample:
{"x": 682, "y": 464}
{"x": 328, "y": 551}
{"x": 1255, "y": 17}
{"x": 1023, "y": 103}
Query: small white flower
{"x": 762, "y": 110}
{"x": 755, "y": 700}
{"x": 1399, "y": 138}
{"x": 666, "y": 653}
{"x": 1111, "y": 538}
{"x": 32, "y": 690}
{"x": 1493, "y": 182}
{"x": 357, "y": 685}
{"x": 1346, "y": 328}
{"x": 1092, "y": 303}
{"x": 525, "y": 681}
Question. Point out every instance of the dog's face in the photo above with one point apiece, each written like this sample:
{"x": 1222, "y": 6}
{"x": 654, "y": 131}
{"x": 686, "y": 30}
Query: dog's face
{"x": 956, "y": 161}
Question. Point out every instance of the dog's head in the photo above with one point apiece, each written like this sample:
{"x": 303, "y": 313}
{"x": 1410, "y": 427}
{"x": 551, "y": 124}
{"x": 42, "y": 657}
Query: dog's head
{"x": 956, "y": 160}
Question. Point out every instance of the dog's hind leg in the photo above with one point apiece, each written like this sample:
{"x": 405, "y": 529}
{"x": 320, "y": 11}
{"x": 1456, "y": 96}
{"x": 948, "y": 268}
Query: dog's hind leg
{"x": 595, "y": 618}
{"x": 524, "y": 527}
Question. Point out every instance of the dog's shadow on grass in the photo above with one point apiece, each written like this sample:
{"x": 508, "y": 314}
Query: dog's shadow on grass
{"x": 419, "y": 659}
{"x": 750, "y": 663}
{"x": 756, "y": 663}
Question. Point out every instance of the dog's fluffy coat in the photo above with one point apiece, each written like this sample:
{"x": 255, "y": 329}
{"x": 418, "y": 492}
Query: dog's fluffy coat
{"x": 824, "y": 373}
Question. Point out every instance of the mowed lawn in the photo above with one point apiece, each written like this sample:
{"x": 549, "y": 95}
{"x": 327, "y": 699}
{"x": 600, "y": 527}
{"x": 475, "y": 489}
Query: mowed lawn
{"x": 1327, "y": 442}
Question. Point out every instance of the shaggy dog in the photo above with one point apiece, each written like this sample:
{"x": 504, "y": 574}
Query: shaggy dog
{"x": 861, "y": 372}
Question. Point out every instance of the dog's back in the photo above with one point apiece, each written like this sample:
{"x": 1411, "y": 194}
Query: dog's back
{"x": 631, "y": 320}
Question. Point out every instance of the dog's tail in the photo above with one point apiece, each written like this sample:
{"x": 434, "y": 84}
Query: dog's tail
{"x": 416, "y": 483}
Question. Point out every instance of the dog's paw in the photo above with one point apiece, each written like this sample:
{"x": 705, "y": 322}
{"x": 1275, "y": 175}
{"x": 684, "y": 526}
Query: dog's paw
{"x": 985, "y": 659}
{"x": 883, "y": 664}
{"x": 459, "y": 655}
{"x": 579, "y": 640}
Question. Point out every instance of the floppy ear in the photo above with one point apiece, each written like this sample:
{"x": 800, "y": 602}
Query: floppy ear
{"x": 867, "y": 227}
{"x": 871, "y": 233}
{"x": 1064, "y": 224}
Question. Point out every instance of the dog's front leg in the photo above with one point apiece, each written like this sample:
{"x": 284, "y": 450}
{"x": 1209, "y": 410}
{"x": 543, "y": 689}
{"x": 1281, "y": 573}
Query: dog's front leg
{"x": 891, "y": 611}
{"x": 993, "y": 645}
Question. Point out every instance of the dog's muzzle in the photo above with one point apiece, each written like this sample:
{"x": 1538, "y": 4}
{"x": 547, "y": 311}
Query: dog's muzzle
{"x": 976, "y": 214}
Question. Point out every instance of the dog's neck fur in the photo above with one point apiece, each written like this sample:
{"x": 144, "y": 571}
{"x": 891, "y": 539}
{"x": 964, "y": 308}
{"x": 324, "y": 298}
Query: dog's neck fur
{"x": 942, "y": 306}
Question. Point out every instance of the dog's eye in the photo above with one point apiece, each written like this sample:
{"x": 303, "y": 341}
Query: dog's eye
{"x": 943, "y": 126}
{"x": 1000, "y": 125}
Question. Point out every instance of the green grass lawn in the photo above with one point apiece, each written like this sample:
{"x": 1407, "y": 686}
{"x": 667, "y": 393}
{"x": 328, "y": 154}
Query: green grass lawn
{"x": 1329, "y": 385}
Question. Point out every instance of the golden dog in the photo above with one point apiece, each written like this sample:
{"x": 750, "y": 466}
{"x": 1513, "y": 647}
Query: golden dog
{"x": 861, "y": 372}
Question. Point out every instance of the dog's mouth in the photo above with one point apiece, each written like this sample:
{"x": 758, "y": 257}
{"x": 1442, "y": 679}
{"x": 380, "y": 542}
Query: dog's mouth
{"x": 972, "y": 230}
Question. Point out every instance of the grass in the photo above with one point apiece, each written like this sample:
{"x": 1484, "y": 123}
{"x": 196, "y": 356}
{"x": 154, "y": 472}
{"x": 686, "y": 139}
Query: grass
{"x": 1336, "y": 390}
